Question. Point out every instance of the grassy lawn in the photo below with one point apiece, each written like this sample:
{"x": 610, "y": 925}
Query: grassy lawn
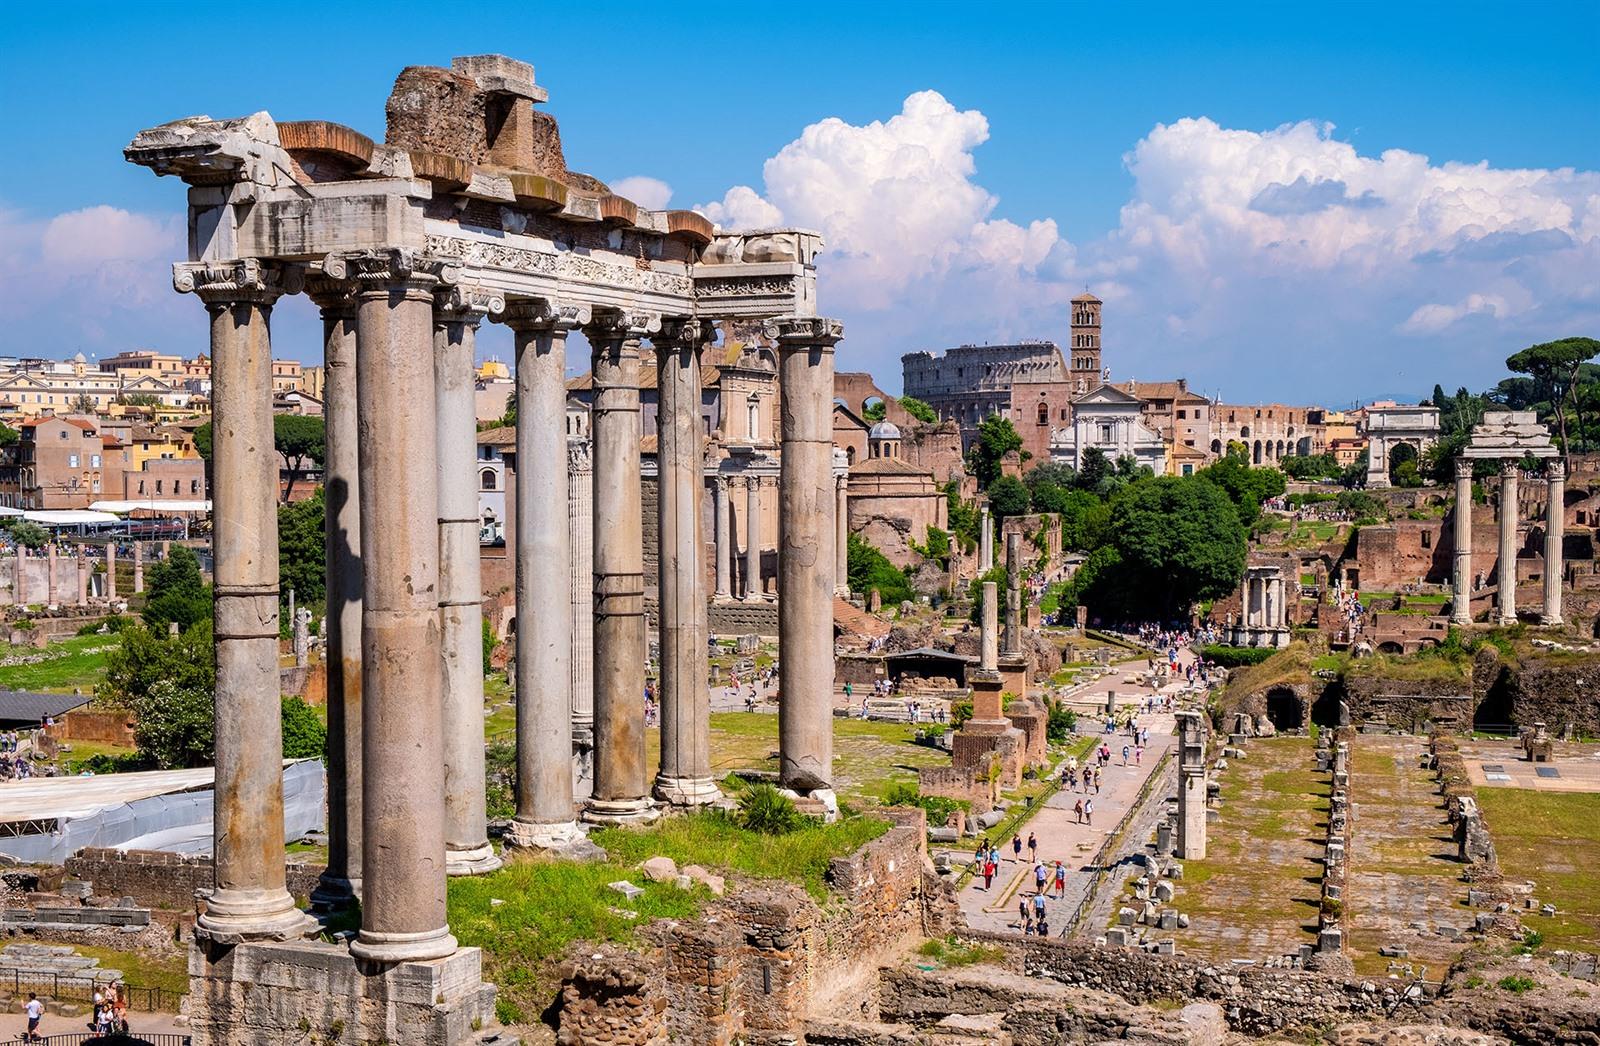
{"x": 76, "y": 753}
{"x": 1552, "y": 838}
{"x": 547, "y": 905}
{"x": 78, "y": 662}
{"x": 141, "y": 969}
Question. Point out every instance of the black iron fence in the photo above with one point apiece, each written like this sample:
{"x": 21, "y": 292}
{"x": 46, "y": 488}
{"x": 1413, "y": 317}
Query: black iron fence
{"x": 69, "y": 988}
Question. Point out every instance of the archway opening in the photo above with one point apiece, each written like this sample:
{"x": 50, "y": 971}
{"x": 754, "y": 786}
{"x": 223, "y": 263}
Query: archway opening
{"x": 874, "y": 409}
{"x": 1285, "y": 709}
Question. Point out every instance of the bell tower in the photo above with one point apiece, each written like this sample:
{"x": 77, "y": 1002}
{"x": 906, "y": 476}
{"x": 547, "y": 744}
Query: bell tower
{"x": 1084, "y": 345}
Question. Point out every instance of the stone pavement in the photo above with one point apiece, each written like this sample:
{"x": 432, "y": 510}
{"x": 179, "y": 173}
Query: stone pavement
{"x": 13, "y": 1024}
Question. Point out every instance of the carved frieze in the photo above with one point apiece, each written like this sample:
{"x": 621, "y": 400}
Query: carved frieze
{"x": 562, "y": 265}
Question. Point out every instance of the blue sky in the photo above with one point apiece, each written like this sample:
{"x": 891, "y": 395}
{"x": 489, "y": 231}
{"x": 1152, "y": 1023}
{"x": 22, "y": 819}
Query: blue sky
{"x": 1276, "y": 202}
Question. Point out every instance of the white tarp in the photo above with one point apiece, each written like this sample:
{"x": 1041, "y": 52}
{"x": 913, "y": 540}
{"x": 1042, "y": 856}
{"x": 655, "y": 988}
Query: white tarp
{"x": 68, "y": 517}
{"x": 122, "y": 507}
{"x": 162, "y": 810}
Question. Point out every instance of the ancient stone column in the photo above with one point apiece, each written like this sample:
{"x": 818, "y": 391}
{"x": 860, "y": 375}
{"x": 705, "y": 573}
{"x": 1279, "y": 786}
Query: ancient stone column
{"x": 752, "y": 539}
{"x": 1508, "y": 542}
{"x": 988, "y": 633}
{"x": 83, "y": 577}
{"x": 111, "y": 546}
{"x": 1461, "y": 563}
{"x": 985, "y": 541}
{"x": 250, "y": 901}
{"x": 1554, "y": 533}
{"x": 19, "y": 576}
{"x": 544, "y": 815}
{"x": 620, "y": 643}
{"x": 1013, "y": 633}
{"x": 806, "y": 554}
{"x": 138, "y": 567}
{"x": 580, "y": 597}
{"x": 1191, "y": 786}
{"x": 50, "y": 572}
{"x": 340, "y": 883}
{"x": 403, "y": 823}
{"x": 719, "y": 490}
{"x": 685, "y": 778}
{"x": 457, "y": 312}
{"x": 841, "y": 539}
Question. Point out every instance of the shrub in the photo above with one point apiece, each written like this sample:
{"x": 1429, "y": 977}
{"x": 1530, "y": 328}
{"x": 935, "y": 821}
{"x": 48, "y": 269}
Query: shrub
{"x": 764, "y": 809}
{"x": 304, "y": 736}
{"x": 113, "y": 624}
{"x": 960, "y": 712}
{"x": 939, "y": 808}
{"x": 1062, "y": 722}
{"x": 1235, "y": 656}
{"x": 1517, "y": 984}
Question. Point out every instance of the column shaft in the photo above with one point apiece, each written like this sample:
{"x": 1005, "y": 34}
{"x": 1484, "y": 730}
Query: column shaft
{"x": 685, "y": 775}
{"x": 580, "y": 597}
{"x": 724, "y": 538}
{"x": 1461, "y": 561}
{"x": 806, "y": 555}
{"x": 250, "y": 901}
{"x": 841, "y": 538}
{"x": 620, "y": 643}
{"x": 111, "y": 546}
{"x": 458, "y": 313}
{"x": 340, "y": 884}
{"x": 1013, "y": 632}
{"x": 138, "y": 567}
{"x": 752, "y": 538}
{"x": 1554, "y": 534}
{"x": 403, "y": 823}
{"x": 544, "y": 814}
{"x": 1508, "y": 543}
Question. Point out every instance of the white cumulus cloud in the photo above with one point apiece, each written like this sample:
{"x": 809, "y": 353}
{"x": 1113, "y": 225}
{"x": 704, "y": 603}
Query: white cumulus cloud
{"x": 650, "y": 193}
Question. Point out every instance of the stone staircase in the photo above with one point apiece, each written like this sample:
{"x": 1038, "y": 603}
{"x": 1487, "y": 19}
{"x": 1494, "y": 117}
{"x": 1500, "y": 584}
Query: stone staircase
{"x": 46, "y": 969}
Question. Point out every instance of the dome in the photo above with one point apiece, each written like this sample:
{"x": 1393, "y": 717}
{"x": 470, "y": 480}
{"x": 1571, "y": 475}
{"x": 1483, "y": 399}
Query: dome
{"x": 884, "y": 430}
{"x": 78, "y": 358}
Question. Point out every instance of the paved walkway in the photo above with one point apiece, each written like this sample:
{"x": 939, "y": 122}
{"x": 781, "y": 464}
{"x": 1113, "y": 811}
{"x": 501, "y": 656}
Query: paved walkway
{"x": 1060, "y": 835}
{"x": 13, "y": 1025}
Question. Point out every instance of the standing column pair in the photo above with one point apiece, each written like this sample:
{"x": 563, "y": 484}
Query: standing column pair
{"x": 250, "y": 901}
{"x": 806, "y": 553}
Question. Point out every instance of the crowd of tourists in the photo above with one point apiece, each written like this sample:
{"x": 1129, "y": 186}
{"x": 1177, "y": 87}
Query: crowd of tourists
{"x": 108, "y": 1015}
{"x": 1033, "y": 916}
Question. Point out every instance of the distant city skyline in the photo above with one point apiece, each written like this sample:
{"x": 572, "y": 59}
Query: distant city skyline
{"x": 1279, "y": 205}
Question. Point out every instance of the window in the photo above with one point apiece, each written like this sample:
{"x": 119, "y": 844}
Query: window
{"x": 60, "y": 435}
{"x": 1044, "y": 413}
{"x": 1182, "y": 414}
{"x": 1427, "y": 539}
{"x": 141, "y": 486}
{"x": 753, "y": 418}
{"x": 72, "y": 461}
{"x": 94, "y": 461}
{"x": 1105, "y": 432}
{"x": 158, "y": 486}
{"x": 194, "y": 486}
{"x": 487, "y": 480}
{"x": 1188, "y": 470}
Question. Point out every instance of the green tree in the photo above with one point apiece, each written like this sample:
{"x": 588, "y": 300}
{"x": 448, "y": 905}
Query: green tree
{"x": 1554, "y": 366}
{"x": 202, "y": 441}
{"x": 82, "y": 403}
{"x": 489, "y": 643}
{"x": 144, "y": 658}
{"x": 875, "y": 411}
{"x": 140, "y": 399}
{"x": 996, "y": 438}
{"x": 1246, "y": 487}
{"x": 1048, "y": 484}
{"x": 301, "y": 545}
{"x": 299, "y": 441}
{"x": 1403, "y": 466}
{"x": 304, "y": 736}
{"x": 961, "y": 515}
{"x": 8, "y": 435}
{"x": 176, "y": 592}
{"x": 1085, "y": 521}
{"x": 28, "y": 533}
{"x": 997, "y": 574}
{"x": 870, "y": 570}
{"x": 918, "y": 409}
{"x": 175, "y": 726}
{"x": 1007, "y": 497}
{"x": 1310, "y": 466}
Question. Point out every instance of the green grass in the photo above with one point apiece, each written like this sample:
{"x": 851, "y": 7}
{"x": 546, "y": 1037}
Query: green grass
{"x": 75, "y": 663}
{"x": 143, "y": 970}
{"x": 548, "y": 905}
{"x": 950, "y": 952}
{"x": 1552, "y": 838}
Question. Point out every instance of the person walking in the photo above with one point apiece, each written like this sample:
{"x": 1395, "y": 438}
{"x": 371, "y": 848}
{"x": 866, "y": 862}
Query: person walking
{"x": 1088, "y": 811}
{"x": 1138, "y": 755}
{"x": 1016, "y": 847}
{"x": 1125, "y": 755}
{"x": 1038, "y": 907}
{"x": 1033, "y": 848}
{"x": 1039, "y": 876}
{"x": 1077, "y": 810}
{"x": 1061, "y": 880}
{"x": 988, "y": 871}
{"x": 1024, "y": 914}
{"x": 35, "y": 1011}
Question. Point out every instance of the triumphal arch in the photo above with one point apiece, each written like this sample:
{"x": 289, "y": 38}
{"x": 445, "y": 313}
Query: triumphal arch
{"x": 465, "y": 212}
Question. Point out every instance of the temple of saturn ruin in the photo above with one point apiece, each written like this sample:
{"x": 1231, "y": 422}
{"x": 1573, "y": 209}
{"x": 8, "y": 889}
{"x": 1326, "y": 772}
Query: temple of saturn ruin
{"x": 466, "y": 212}
{"x": 1509, "y": 437}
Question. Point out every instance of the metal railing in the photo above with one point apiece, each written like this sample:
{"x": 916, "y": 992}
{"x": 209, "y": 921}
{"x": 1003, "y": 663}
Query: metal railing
{"x": 1113, "y": 842}
{"x": 81, "y": 989}
{"x": 84, "y": 1038}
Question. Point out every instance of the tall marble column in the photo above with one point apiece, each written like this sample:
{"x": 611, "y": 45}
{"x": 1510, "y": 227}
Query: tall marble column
{"x": 544, "y": 815}
{"x": 841, "y": 539}
{"x": 1012, "y": 641}
{"x": 580, "y": 596}
{"x": 1508, "y": 542}
{"x": 19, "y": 576}
{"x": 752, "y": 538}
{"x": 83, "y": 578}
{"x": 340, "y": 883}
{"x": 250, "y": 901}
{"x": 111, "y": 546}
{"x": 806, "y": 554}
{"x": 620, "y": 642}
{"x": 719, "y": 491}
{"x": 1554, "y": 533}
{"x": 985, "y": 541}
{"x": 458, "y": 310}
{"x": 1461, "y": 562}
{"x": 403, "y": 788}
{"x": 50, "y": 573}
{"x": 685, "y": 778}
{"x": 138, "y": 567}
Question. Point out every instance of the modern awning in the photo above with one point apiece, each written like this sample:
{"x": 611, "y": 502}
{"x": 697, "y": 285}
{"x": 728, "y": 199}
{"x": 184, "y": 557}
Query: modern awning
{"x": 68, "y": 517}
{"x": 120, "y": 507}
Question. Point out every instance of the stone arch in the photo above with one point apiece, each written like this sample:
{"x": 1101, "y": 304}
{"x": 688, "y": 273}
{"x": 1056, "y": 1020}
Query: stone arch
{"x": 1325, "y": 709}
{"x": 1389, "y": 646}
{"x": 487, "y": 480}
{"x": 1279, "y": 454}
{"x": 1286, "y": 710}
{"x": 1255, "y": 457}
{"x": 850, "y": 455}
{"x": 1496, "y": 712}
{"x": 873, "y": 403}
{"x": 1216, "y": 447}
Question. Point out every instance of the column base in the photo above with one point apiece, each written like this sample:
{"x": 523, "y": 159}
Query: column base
{"x": 1550, "y": 619}
{"x": 687, "y": 791}
{"x": 480, "y": 860}
{"x": 1502, "y": 619}
{"x": 236, "y": 916}
{"x": 620, "y": 812}
{"x": 335, "y": 893}
{"x": 530, "y": 835}
{"x": 375, "y": 946}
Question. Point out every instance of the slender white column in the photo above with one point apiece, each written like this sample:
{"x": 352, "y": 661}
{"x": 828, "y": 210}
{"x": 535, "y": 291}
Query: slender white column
{"x": 580, "y": 588}
{"x": 544, "y": 815}
{"x": 1508, "y": 542}
{"x": 752, "y": 539}
{"x": 250, "y": 901}
{"x": 403, "y": 791}
{"x": 340, "y": 883}
{"x": 458, "y": 311}
{"x": 719, "y": 490}
{"x": 1461, "y": 573}
{"x": 1554, "y": 533}
{"x": 805, "y": 559}
{"x": 620, "y": 642}
{"x": 841, "y": 539}
{"x": 685, "y": 775}
{"x": 138, "y": 567}
{"x": 985, "y": 541}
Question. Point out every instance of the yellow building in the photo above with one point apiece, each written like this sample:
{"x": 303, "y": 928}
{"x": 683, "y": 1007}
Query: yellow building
{"x": 493, "y": 370}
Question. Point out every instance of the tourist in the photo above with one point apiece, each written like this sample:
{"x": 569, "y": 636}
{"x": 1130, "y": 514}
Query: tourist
{"x": 1033, "y": 848}
{"x": 1038, "y": 907}
{"x": 1039, "y": 877}
{"x": 1024, "y": 914}
{"x": 1043, "y": 927}
{"x": 1138, "y": 755}
{"x": 119, "y": 1007}
{"x": 1077, "y": 810}
{"x": 1088, "y": 807}
{"x": 35, "y": 1011}
{"x": 1061, "y": 879}
{"x": 1016, "y": 847}
{"x": 988, "y": 871}
{"x": 1125, "y": 755}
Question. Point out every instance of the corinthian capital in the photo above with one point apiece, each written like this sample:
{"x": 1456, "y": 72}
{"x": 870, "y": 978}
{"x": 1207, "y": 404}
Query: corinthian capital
{"x": 466, "y": 303}
{"x": 623, "y": 323}
{"x": 1555, "y": 468}
{"x": 544, "y": 314}
{"x": 796, "y": 331}
{"x": 683, "y": 333}
{"x": 244, "y": 280}
{"x": 386, "y": 266}
{"x": 1463, "y": 467}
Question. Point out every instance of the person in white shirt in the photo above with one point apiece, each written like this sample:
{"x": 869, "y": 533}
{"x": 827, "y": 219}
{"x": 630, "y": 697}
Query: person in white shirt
{"x": 35, "y": 1010}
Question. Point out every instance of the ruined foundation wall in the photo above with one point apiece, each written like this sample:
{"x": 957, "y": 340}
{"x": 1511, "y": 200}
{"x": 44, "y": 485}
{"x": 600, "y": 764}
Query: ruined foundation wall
{"x": 157, "y": 879}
